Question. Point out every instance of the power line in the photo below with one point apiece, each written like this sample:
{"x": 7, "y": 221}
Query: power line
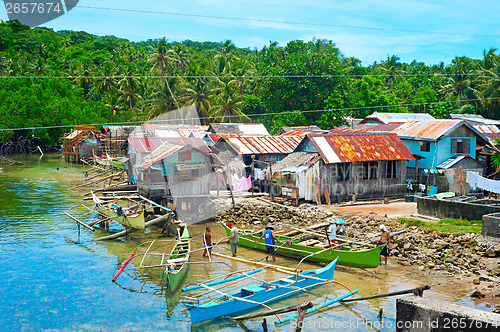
{"x": 239, "y": 76}
{"x": 232, "y": 18}
{"x": 248, "y": 115}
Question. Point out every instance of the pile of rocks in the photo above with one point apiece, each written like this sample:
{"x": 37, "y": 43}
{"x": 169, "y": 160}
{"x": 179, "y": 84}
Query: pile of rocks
{"x": 461, "y": 255}
{"x": 467, "y": 256}
{"x": 253, "y": 212}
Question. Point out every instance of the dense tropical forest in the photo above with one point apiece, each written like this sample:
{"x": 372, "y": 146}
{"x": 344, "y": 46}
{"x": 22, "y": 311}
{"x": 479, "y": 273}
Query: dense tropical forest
{"x": 55, "y": 79}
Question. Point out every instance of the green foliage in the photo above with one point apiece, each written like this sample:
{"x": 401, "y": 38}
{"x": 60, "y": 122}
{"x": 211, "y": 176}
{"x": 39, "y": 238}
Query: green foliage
{"x": 334, "y": 111}
{"x": 300, "y": 83}
{"x": 410, "y": 221}
{"x": 458, "y": 226}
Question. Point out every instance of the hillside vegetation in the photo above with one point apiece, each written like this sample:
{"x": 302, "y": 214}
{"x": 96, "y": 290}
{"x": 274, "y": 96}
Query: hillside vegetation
{"x": 62, "y": 78}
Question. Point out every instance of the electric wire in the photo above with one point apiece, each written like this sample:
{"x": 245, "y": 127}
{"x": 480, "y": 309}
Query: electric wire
{"x": 232, "y": 18}
{"x": 166, "y": 121}
{"x": 241, "y": 76}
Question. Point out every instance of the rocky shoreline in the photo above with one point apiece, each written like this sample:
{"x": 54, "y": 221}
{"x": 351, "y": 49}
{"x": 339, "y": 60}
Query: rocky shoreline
{"x": 469, "y": 257}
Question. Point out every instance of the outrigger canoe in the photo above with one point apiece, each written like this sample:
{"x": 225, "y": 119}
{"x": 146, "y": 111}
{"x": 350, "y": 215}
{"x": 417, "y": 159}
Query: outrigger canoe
{"x": 290, "y": 247}
{"x": 176, "y": 264}
{"x": 131, "y": 215}
{"x": 252, "y": 296}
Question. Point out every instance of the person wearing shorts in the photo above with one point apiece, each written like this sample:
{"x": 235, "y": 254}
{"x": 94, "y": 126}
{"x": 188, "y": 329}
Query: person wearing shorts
{"x": 207, "y": 242}
{"x": 384, "y": 238}
{"x": 233, "y": 238}
{"x": 269, "y": 240}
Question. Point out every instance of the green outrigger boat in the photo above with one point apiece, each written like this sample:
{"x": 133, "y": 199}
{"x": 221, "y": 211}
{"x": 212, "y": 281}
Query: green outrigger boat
{"x": 290, "y": 247}
{"x": 176, "y": 266}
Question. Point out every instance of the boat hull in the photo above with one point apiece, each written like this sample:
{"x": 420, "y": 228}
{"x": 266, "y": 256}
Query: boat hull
{"x": 347, "y": 257}
{"x": 274, "y": 292}
{"x": 132, "y": 221}
{"x": 179, "y": 252}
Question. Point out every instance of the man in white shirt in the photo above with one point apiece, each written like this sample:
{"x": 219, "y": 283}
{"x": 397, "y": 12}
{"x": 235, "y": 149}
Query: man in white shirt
{"x": 332, "y": 232}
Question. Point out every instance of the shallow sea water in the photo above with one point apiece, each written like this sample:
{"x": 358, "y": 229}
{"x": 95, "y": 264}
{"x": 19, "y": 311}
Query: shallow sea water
{"x": 55, "y": 279}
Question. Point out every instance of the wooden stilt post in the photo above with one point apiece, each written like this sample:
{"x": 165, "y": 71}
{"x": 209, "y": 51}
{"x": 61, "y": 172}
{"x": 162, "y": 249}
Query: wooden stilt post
{"x": 301, "y": 312}
{"x": 264, "y": 325}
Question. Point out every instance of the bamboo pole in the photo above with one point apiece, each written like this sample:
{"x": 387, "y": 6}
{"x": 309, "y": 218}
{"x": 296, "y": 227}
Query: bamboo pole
{"x": 220, "y": 287}
{"x": 274, "y": 311}
{"x": 145, "y": 254}
{"x": 154, "y": 203}
{"x": 80, "y": 222}
{"x": 311, "y": 310}
{"x": 416, "y": 291}
{"x": 325, "y": 224}
{"x": 130, "y": 230}
{"x": 236, "y": 298}
{"x": 212, "y": 283}
{"x": 340, "y": 239}
{"x": 314, "y": 253}
{"x": 95, "y": 181}
{"x": 255, "y": 263}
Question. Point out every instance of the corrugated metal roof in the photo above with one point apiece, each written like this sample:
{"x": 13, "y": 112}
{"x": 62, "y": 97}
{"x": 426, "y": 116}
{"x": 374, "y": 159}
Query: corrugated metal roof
{"x": 397, "y": 117}
{"x": 264, "y": 144}
{"x": 164, "y": 150}
{"x": 74, "y": 134}
{"x": 448, "y": 163}
{"x": 216, "y": 137}
{"x": 487, "y": 129}
{"x": 427, "y": 129}
{"x": 474, "y": 118}
{"x": 149, "y": 144}
{"x": 351, "y": 146}
{"x": 385, "y": 127}
{"x": 239, "y": 128}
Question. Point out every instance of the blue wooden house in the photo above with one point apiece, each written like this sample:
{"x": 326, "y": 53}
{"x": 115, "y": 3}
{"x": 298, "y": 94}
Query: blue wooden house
{"x": 433, "y": 142}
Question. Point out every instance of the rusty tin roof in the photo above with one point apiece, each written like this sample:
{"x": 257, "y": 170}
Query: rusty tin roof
{"x": 487, "y": 129}
{"x": 427, "y": 129}
{"x": 342, "y": 146}
{"x": 264, "y": 144}
{"x": 149, "y": 144}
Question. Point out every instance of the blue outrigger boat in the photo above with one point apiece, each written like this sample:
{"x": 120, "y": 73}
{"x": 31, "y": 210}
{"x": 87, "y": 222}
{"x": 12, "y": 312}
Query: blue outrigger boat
{"x": 250, "y": 297}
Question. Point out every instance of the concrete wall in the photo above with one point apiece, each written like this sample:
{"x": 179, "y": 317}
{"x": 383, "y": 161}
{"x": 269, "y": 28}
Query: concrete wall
{"x": 441, "y": 208}
{"x": 421, "y": 314}
{"x": 491, "y": 225}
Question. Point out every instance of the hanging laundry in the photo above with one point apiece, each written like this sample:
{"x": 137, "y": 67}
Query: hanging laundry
{"x": 242, "y": 184}
{"x": 477, "y": 181}
{"x": 421, "y": 186}
{"x": 409, "y": 185}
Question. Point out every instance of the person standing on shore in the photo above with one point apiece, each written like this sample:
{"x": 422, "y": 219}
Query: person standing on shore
{"x": 269, "y": 240}
{"x": 332, "y": 232}
{"x": 207, "y": 242}
{"x": 384, "y": 238}
{"x": 340, "y": 227}
{"x": 233, "y": 238}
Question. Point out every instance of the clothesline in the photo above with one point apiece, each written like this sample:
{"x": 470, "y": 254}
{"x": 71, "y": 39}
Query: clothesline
{"x": 477, "y": 181}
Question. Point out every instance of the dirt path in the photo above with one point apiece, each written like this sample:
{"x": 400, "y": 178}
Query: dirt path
{"x": 392, "y": 210}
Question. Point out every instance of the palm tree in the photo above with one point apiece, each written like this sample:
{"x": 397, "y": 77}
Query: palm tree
{"x": 130, "y": 88}
{"x": 490, "y": 83}
{"x": 162, "y": 59}
{"x": 106, "y": 83}
{"x": 227, "y": 105}
{"x": 198, "y": 93}
{"x": 459, "y": 87}
{"x": 112, "y": 101}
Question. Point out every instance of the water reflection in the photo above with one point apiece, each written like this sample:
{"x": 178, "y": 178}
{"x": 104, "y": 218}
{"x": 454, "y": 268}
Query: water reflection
{"x": 54, "y": 279}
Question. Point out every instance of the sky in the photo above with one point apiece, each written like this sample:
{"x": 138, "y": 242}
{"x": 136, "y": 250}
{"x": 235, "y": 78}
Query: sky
{"x": 430, "y": 31}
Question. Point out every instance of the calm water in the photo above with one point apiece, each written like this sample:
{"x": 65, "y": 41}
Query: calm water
{"x": 53, "y": 279}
